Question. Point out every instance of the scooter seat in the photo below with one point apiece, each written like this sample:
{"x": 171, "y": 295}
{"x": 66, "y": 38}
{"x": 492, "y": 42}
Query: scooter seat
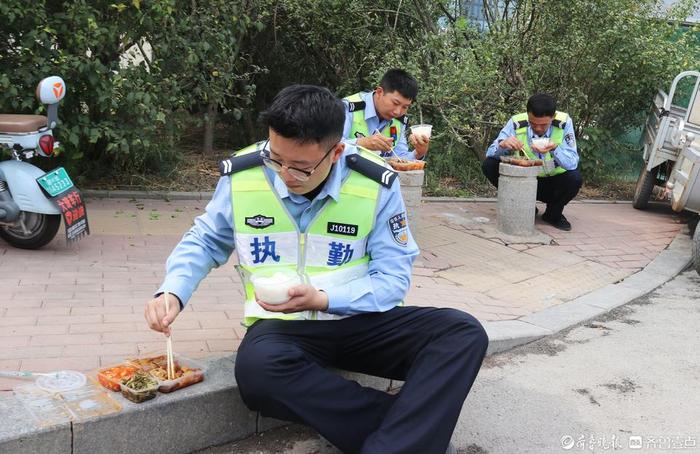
{"x": 10, "y": 123}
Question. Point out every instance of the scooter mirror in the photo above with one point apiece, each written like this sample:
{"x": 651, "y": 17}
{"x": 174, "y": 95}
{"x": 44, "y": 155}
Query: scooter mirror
{"x": 51, "y": 90}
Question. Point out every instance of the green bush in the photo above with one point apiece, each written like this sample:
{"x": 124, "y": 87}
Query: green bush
{"x": 205, "y": 60}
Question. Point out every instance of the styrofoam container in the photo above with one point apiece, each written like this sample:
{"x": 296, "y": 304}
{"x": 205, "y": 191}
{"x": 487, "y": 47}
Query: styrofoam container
{"x": 422, "y": 130}
{"x": 274, "y": 288}
{"x": 541, "y": 142}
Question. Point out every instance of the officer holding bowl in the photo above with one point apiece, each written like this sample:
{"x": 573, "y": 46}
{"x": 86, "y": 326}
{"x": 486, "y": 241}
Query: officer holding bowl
{"x": 542, "y": 133}
{"x": 304, "y": 203}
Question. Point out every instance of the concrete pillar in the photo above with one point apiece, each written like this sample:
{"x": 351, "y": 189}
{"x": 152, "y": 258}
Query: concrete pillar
{"x": 517, "y": 194}
{"x": 412, "y": 191}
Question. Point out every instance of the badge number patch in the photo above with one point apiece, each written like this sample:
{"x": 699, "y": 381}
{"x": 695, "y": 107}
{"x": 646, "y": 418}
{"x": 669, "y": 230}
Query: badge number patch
{"x": 342, "y": 229}
{"x": 399, "y": 228}
{"x": 259, "y": 221}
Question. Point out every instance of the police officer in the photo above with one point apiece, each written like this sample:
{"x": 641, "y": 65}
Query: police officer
{"x": 305, "y": 201}
{"x": 377, "y": 120}
{"x": 556, "y": 187}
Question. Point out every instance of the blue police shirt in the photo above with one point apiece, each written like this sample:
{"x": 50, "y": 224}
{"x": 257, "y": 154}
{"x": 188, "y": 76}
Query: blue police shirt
{"x": 210, "y": 242}
{"x": 565, "y": 154}
{"x": 374, "y": 124}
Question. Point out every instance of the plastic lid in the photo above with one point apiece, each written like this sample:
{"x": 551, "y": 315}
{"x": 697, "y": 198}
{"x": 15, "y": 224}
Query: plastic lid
{"x": 64, "y": 380}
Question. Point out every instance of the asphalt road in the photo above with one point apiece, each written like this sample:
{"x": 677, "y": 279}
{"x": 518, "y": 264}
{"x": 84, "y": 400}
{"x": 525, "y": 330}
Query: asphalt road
{"x": 626, "y": 382}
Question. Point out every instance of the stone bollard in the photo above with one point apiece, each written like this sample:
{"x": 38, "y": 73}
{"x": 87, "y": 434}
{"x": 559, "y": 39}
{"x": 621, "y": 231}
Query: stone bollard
{"x": 517, "y": 194}
{"x": 412, "y": 191}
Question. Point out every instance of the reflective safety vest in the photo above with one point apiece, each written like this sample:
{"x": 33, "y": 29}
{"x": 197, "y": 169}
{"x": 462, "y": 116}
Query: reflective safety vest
{"x": 521, "y": 123}
{"x": 330, "y": 252}
{"x": 356, "y": 105}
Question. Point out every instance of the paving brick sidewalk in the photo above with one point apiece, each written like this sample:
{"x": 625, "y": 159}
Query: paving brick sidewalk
{"x": 81, "y": 307}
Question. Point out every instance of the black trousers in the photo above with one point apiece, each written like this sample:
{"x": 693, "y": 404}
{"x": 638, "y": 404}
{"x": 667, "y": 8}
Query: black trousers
{"x": 556, "y": 191}
{"x": 281, "y": 372}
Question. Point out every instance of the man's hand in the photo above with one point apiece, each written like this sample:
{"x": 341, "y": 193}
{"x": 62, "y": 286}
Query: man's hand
{"x": 156, "y": 316}
{"x": 420, "y": 143}
{"x": 545, "y": 149}
{"x": 302, "y": 298}
{"x": 511, "y": 143}
{"x": 376, "y": 142}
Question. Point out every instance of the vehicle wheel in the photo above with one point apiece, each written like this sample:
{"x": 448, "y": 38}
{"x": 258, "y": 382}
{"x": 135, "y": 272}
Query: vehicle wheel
{"x": 645, "y": 184}
{"x": 696, "y": 249}
{"x": 32, "y": 230}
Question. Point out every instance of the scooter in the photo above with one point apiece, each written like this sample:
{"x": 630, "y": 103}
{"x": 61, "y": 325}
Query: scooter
{"x": 32, "y": 201}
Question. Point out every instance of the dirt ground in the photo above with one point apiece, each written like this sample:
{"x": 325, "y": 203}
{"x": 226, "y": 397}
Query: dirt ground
{"x": 199, "y": 173}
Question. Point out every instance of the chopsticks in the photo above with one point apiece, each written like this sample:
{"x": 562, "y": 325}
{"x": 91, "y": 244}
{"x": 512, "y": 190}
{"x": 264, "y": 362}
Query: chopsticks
{"x": 391, "y": 150}
{"x": 169, "y": 344}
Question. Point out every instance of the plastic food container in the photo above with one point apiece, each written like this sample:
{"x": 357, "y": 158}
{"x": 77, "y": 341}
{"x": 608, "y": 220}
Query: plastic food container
{"x": 273, "y": 289}
{"x": 187, "y": 372}
{"x": 141, "y": 394}
{"x": 111, "y": 377}
{"x": 404, "y": 166}
{"x": 148, "y": 362}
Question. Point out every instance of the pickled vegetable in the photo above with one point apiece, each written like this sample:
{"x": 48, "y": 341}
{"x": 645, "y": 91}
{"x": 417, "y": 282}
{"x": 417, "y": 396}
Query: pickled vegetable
{"x": 139, "y": 388}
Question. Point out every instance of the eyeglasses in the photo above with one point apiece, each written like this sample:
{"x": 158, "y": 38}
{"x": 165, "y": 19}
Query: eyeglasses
{"x": 298, "y": 174}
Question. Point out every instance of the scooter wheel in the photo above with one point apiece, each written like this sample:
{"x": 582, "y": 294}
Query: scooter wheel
{"x": 33, "y": 230}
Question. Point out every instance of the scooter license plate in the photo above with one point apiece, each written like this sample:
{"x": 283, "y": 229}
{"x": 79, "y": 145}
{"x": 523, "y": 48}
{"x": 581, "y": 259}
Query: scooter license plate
{"x": 55, "y": 182}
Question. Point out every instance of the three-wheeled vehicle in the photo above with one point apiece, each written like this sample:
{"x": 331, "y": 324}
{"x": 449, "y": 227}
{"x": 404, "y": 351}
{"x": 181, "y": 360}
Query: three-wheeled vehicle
{"x": 672, "y": 151}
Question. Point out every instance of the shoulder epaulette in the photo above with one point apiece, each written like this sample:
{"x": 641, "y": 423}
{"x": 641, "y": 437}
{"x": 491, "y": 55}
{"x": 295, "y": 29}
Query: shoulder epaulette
{"x": 560, "y": 119}
{"x": 354, "y": 106}
{"x": 371, "y": 170}
{"x": 520, "y": 124}
{"x": 404, "y": 120}
{"x": 237, "y": 163}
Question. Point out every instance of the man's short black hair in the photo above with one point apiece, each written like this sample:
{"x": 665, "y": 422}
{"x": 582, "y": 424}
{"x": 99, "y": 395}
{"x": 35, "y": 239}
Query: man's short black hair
{"x": 542, "y": 105}
{"x": 401, "y": 81}
{"x": 306, "y": 113}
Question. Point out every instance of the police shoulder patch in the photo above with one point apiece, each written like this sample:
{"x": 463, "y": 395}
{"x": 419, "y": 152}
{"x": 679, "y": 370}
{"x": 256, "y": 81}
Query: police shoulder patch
{"x": 570, "y": 139}
{"x": 399, "y": 228}
{"x": 371, "y": 169}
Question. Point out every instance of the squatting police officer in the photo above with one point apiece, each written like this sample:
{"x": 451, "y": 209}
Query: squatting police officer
{"x": 556, "y": 187}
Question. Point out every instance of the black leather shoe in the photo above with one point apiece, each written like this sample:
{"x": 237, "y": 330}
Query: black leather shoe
{"x": 560, "y": 223}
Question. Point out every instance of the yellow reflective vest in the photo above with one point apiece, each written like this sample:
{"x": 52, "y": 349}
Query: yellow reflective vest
{"x": 521, "y": 123}
{"x": 332, "y": 250}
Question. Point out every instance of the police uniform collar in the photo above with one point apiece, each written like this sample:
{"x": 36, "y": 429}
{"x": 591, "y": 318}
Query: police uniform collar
{"x": 370, "y": 110}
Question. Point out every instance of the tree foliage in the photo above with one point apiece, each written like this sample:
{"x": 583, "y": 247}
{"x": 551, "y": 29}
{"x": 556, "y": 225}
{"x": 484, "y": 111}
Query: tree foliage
{"x": 209, "y": 59}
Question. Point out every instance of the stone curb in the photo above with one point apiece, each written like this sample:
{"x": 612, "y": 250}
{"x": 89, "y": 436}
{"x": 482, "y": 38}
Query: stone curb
{"x": 207, "y": 414}
{"x": 507, "y": 334}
